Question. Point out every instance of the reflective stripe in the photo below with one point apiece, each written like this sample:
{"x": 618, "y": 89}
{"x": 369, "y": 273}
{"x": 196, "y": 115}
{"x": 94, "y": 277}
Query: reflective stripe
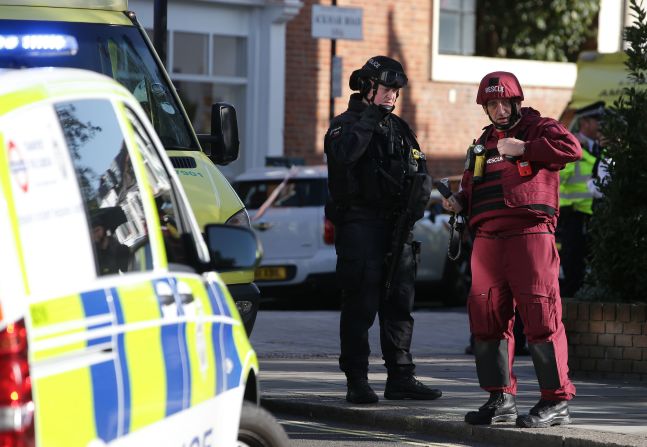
{"x": 54, "y": 314}
{"x": 18, "y": 98}
{"x": 233, "y": 366}
{"x": 5, "y": 182}
{"x": 144, "y": 354}
{"x": 121, "y": 365}
{"x": 104, "y": 375}
{"x": 199, "y": 338}
{"x": 233, "y": 343}
{"x": 185, "y": 383}
{"x": 55, "y": 404}
{"x": 172, "y": 356}
{"x": 573, "y": 189}
{"x": 219, "y": 353}
{"x": 52, "y": 398}
{"x": 578, "y": 176}
{"x": 577, "y": 195}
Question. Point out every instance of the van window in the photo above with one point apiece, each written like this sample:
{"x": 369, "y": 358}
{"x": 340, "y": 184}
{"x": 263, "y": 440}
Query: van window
{"x": 165, "y": 200}
{"x": 116, "y": 51}
{"x": 296, "y": 193}
{"x": 108, "y": 185}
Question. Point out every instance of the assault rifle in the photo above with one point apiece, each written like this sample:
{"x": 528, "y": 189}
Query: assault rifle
{"x": 406, "y": 218}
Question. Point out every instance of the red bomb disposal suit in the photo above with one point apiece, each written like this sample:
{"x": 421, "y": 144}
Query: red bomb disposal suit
{"x": 514, "y": 259}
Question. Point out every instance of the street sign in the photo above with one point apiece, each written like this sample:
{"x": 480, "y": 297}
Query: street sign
{"x": 331, "y": 22}
{"x": 335, "y": 90}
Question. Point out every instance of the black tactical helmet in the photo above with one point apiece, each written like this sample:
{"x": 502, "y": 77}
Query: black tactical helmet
{"x": 381, "y": 69}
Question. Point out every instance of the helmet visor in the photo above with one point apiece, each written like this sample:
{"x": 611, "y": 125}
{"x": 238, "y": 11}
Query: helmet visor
{"x": 391, "y": 78}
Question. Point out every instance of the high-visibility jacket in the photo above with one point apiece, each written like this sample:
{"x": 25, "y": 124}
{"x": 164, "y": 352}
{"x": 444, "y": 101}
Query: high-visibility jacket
{"x": 573, "y": 190}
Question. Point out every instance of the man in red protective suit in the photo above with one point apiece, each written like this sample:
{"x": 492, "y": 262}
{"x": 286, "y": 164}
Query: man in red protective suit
{"x": 510, "y": 192}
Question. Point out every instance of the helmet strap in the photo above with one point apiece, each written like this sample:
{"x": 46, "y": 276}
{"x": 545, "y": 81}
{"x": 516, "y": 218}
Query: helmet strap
{"x": 374, "y": 89}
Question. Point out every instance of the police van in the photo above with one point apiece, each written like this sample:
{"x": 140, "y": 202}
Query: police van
{"x": 103, "y": 36}
{"x": 114, "y": 329}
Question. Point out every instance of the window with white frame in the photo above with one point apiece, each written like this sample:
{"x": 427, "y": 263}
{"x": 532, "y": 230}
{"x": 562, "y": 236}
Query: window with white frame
{"x": 453, "y": 66}
{"x": 457, "y": 27}
{"x": 209, "y": 68}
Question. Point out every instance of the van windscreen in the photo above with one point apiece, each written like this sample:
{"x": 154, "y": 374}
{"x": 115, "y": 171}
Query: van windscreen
{"x": 119, "y": 52}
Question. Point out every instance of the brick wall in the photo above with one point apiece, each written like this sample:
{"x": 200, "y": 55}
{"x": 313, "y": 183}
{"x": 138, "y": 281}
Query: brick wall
{"x": 401, "y": 30}
{"x": 607, "y": 339}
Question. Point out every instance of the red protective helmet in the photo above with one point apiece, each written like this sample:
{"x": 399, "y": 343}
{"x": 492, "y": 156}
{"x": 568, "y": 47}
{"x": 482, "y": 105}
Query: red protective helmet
{"x": 499, "y": 84}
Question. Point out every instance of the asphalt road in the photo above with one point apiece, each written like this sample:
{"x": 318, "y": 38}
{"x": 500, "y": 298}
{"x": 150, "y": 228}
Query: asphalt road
{"x": 304, "y": 432}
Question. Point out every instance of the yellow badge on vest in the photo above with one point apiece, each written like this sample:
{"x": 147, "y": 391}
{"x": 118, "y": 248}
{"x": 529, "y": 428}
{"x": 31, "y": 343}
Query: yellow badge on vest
{"x": 417, "y": 154}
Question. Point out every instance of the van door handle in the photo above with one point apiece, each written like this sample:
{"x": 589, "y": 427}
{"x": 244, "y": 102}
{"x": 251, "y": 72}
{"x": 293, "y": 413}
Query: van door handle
{"x": 164, "y": 294}
{"x": 166, "y": 300}
{"x": 185, "y": 293}
{"x": 186, "y": 298}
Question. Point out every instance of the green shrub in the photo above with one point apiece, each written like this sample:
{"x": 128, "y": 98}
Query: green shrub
{"x": 618, "y": 258}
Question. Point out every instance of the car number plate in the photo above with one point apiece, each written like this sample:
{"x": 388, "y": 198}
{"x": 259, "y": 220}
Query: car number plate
{"x": 270, "y": 273}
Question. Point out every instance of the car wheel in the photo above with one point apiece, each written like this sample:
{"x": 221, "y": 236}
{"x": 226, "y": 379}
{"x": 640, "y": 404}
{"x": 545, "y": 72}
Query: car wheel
{"x": 456, "y": 282}
{"x": 258, "y": 428}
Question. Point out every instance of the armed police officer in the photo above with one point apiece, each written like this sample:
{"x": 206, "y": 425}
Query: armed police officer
{"x": 510, "y": 191}
{"x": 372, "y": 157}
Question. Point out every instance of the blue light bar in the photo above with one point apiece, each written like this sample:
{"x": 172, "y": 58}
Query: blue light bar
{"x": 38, "y": 44}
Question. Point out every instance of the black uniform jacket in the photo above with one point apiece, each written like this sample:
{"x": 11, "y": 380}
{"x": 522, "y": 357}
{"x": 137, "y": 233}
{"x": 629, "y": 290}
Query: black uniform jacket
{"x": 369, "y": 157}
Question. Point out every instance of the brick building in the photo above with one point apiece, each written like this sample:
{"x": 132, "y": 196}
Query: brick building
{"x": 439, "y": 102}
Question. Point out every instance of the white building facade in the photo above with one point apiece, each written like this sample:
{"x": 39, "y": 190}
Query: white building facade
{"x": 231, "y": 51}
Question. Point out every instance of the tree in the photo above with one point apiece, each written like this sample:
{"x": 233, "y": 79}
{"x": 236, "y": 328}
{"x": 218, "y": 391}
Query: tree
{"x": 619, "y": 223}
{"x": 549, "y": 30}
{"x": 77, "y": 133}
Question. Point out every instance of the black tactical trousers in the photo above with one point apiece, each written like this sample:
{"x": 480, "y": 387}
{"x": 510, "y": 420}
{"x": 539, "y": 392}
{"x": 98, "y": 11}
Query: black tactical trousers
{"x": 362, "y": 247}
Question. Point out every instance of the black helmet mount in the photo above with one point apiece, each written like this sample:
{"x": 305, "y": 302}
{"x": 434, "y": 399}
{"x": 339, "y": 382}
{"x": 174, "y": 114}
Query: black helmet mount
{"x": 381, "y": 70}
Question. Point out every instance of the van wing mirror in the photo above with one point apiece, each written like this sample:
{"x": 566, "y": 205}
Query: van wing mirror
{"x": 232, "y": 248}
{"x": 222, "y": 145}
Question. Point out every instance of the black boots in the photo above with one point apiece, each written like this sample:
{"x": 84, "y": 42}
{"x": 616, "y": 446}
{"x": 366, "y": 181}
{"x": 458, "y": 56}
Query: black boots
{"x": 545, "y": 414}
{"x": 500, "y": 407}
{"x": 409, "y": 388}
{"x": 359, "y": 392}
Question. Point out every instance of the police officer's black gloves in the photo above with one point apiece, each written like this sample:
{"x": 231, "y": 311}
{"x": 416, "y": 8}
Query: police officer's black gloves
{"x": 373, "y": 114}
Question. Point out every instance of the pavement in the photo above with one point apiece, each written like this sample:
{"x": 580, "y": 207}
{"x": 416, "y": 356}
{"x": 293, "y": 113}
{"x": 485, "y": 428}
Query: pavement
{"x": 300, "y": 375}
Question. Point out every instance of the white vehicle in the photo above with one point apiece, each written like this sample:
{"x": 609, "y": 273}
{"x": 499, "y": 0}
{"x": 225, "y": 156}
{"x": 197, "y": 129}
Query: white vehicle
{"x": 114, "y": 328}
{"x": 286, "y": 208}
{"x": 297, "y": 239}
{"x": 437, "y": 277}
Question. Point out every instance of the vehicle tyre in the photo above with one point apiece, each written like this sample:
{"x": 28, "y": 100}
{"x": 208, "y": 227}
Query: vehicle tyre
{"x": 456, "y": 282}
{"x": 258, "y": 428}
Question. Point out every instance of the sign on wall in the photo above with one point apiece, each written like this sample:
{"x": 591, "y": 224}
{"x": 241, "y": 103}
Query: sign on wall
{"x": 331, "y": 22}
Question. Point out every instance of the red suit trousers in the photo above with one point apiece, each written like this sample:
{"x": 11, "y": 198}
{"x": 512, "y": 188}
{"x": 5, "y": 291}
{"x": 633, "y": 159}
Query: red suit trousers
{"x": 518, "y": 269}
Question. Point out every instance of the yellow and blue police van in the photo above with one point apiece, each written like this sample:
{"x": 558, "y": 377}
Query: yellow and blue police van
{"x": 103, "y": 36}
{"x": 114, "y": 329}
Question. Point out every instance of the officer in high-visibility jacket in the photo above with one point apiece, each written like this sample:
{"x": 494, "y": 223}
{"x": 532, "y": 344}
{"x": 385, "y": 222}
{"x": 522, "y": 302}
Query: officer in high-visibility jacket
{"x": 576, "y": 199}
{"x": 509, "y": 191}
